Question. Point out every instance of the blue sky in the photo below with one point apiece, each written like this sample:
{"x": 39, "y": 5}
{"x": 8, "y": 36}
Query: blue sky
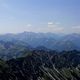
{"x": 57, "y": 16}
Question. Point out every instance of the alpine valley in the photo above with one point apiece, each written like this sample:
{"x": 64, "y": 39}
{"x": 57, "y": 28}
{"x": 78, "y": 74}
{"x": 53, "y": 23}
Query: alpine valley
{"x": 39, "y": 56}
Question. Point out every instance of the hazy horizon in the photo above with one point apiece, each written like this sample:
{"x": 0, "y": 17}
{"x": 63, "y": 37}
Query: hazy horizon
{"x": 61, "y": 34}
{"x": 55, "y": 16}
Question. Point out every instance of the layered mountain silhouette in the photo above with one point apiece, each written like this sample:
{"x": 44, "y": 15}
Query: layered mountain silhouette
{"x": 48, "y": 40}
{"x": 39, "y": 56}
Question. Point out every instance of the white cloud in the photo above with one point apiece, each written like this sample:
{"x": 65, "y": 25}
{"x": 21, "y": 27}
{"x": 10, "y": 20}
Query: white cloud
{"x": 50, "y": 23}
{"x": 49, "y": 27}
{"x": 43, "y": 28}
{"x": 55, "y": 27}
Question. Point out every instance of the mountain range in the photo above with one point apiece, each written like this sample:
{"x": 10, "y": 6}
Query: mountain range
{"x": 42, "y": 65}
{"x": 39, "y": 56}
{"x": 47, "y": 40}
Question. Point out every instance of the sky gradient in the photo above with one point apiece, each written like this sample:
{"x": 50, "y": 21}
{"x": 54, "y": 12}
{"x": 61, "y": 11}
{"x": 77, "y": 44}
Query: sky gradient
{"x": 57, "y": 16}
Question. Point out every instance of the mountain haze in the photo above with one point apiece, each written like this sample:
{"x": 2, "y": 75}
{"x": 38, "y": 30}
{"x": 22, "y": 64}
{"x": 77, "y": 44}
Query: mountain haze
{"x": 49, "y": 40}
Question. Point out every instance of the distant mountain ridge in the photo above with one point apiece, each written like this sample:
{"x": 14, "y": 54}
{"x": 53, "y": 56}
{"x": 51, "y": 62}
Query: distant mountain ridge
{"x": 48, "y": 40}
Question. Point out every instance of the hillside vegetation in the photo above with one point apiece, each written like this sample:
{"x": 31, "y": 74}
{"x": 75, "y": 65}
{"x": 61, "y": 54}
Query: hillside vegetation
{"x": 42, "y": 65}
